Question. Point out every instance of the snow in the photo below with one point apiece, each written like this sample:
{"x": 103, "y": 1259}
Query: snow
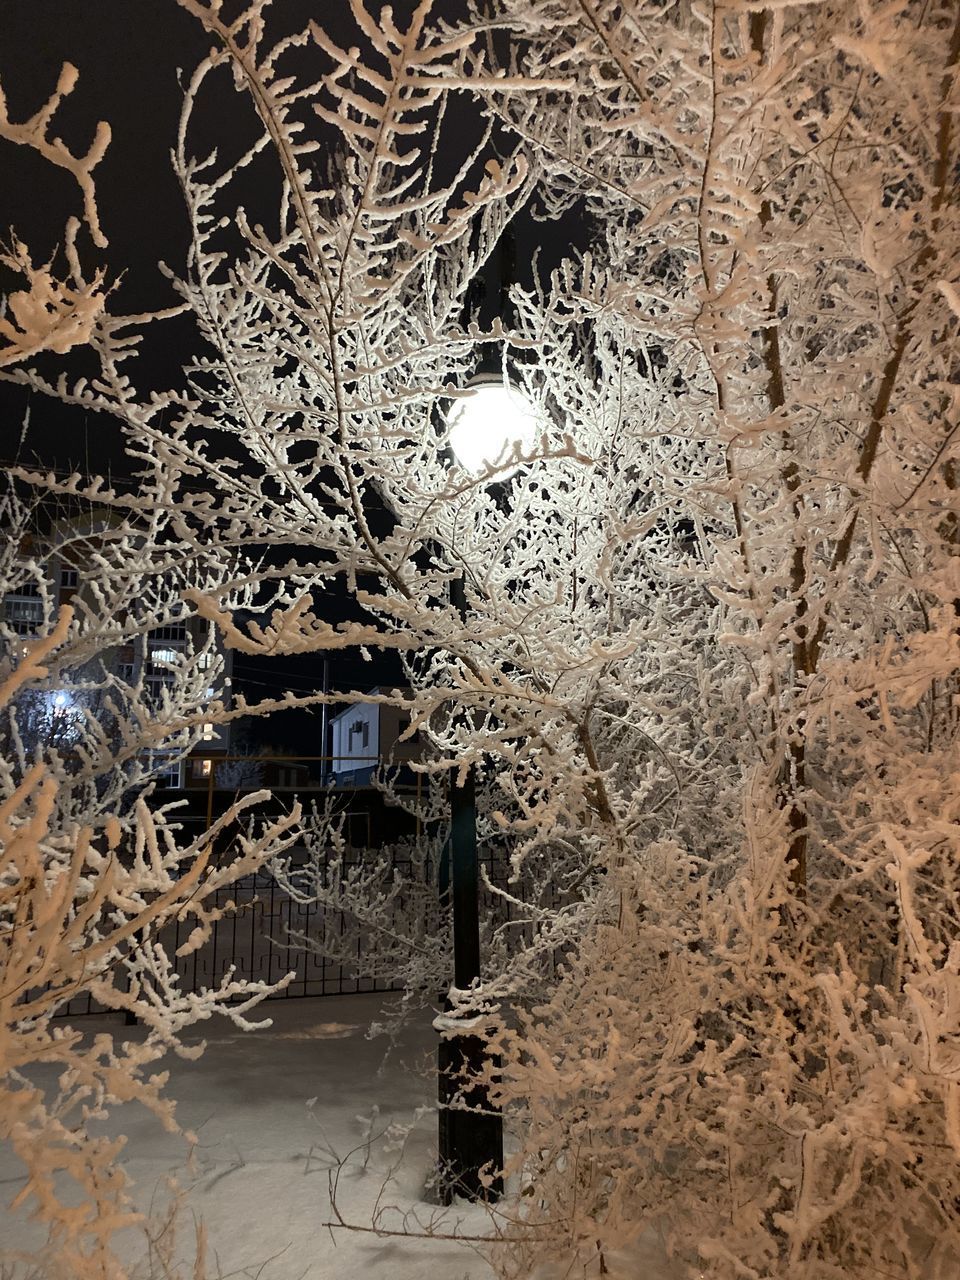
{"x": 266, "y": 1107}
{"x": 269, "y": 1107}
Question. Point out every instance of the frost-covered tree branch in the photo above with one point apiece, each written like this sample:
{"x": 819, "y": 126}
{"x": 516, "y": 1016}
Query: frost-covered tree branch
{"x": 93, "y": 866}
{"x": 708, "y": 664}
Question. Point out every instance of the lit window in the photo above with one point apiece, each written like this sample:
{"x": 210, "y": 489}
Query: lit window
{"x": 163, "y": 655}
{"x": 208, "y": 732}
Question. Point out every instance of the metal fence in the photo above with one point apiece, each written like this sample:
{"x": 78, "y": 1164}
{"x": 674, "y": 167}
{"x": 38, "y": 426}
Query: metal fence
{"x": 253, "y": 940}
{"x": 256, "y": 940}
{"x": 265, "y": 934}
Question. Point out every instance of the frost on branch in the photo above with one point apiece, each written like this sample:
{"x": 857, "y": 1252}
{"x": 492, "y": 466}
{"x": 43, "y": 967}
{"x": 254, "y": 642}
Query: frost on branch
{"x": 48, "y": 315}
{"x": 52, "y": 314}
{"x": 700, "y": 646}
{"x": 34, "y": 133}
{"x": 92, "y": 868}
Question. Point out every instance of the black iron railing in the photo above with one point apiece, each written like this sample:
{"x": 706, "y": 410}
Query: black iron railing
{"x": 267, "y": 934}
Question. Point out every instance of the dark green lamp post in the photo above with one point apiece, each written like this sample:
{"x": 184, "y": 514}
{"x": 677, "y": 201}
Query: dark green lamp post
{"x": 485, "y": 425}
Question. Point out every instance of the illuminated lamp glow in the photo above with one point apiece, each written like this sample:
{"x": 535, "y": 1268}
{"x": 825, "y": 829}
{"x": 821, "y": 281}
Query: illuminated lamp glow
{"x": 486, "y": 425}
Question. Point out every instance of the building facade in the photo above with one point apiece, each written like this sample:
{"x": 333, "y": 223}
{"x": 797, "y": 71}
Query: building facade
{"x": 147, "y": 663}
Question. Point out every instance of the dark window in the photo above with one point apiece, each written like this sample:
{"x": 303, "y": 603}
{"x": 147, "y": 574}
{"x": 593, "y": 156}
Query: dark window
{"x": 23, "y": 611}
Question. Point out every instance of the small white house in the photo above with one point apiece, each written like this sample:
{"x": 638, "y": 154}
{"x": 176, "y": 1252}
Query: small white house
{"x": 366, "y": 735}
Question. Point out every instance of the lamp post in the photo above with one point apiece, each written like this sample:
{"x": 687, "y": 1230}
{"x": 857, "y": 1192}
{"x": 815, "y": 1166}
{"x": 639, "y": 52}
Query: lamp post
{"x": 484, "y": 427}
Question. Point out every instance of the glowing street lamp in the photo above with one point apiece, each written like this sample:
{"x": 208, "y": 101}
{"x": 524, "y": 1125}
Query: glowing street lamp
{"x": 488, "y": 423}
{"x": 64, "y": 716}
{"x": 485, "y": 427}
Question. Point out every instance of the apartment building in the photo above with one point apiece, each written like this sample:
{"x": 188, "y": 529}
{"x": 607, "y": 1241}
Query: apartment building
{"x": 147, "y": 662}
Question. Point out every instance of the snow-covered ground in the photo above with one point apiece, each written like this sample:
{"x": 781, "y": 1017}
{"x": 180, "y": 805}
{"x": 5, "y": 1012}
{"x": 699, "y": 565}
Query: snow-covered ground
{"x": 260, "y": 1180}
{"x": 273, "y": 1110}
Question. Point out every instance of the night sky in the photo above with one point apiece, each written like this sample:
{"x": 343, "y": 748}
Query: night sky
{"x": 128, "y": 54}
